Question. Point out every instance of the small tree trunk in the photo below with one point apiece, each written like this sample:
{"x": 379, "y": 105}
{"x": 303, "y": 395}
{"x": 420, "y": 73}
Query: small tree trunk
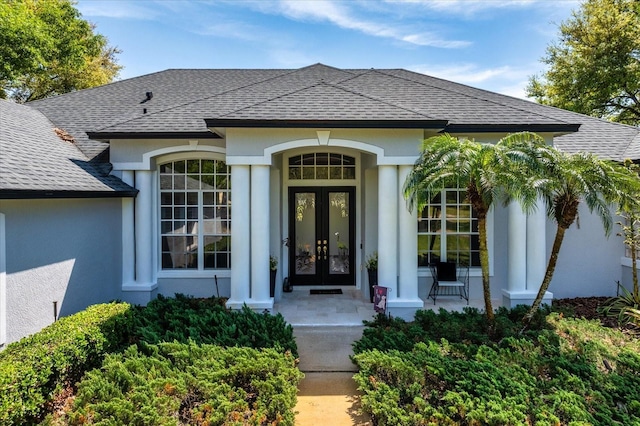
{"x": 551, "y": 266}
{"x": 484, "y": 264}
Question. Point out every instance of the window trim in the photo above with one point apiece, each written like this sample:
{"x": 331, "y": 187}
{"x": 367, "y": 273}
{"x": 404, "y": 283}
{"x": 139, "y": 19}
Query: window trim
{"x": 183, "y": 272}
{"x": 474, "y": 271}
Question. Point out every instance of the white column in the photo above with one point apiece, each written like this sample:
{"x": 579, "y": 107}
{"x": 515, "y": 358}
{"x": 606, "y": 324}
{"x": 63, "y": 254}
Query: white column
{"x": 517, "y": 257}
{"x": 274, "y": 226}
{"x": 407, "y": 249}
{"x": 536, "y": 247}
{"x": 260, "y": 238}
{"x": 128, "y": 236}
{"x": 388, "y": 229}
{"x": 537, "y": 252}
{"x": 240, "y": 236}
{"x": 144, "y": 228}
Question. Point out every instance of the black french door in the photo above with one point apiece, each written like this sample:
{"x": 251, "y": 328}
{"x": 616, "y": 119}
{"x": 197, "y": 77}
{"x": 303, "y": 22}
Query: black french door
{"x": 321, "y": 235}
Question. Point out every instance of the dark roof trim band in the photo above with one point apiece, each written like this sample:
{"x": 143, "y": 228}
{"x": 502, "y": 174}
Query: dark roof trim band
{"x": 511, "y": 128}
{"x": 324, "y": 124}
{"x": 104, "y": 136}
{"x": 19, "y": 194}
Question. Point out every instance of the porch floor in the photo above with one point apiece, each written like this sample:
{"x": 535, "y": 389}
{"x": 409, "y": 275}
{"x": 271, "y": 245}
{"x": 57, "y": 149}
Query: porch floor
{"x": 299, "y": 308}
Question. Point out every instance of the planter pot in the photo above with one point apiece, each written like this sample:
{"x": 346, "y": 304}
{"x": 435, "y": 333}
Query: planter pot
{"x": 373, "y": 280}
{"x": 272, "y": 282}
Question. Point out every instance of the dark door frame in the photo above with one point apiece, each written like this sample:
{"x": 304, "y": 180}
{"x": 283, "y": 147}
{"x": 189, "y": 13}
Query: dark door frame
{"x": 322, "y": 275}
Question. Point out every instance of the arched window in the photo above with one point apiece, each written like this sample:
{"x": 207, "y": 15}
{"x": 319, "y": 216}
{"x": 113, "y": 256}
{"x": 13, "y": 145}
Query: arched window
{"x": 195, "y": 214}
{"x": 322, "y": 165}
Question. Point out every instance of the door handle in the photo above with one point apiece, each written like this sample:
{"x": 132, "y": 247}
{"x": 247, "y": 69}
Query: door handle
{"x": 324, "y": 250}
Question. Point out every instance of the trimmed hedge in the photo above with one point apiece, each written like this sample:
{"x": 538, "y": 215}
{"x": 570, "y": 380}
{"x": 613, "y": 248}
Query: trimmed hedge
{"x": 34, "y": 369}
{"x": 176, "y": 383}
{"x": 207, "y": 321}
{"x": 469, "y": 327}
{"x": 576, "y": 373}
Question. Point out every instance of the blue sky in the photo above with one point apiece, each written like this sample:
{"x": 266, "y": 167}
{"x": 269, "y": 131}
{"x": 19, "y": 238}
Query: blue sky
{"x": 491, "y": 44}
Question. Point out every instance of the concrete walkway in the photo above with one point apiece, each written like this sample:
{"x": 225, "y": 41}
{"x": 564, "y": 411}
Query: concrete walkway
{"x": 328, "y": 395}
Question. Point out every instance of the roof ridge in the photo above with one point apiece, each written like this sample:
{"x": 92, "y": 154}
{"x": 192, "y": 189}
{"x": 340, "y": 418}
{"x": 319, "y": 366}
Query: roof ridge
{"x": 335, "y": 86}
{"x": 74, "y": 145}
{"x": 630, "y": 147}
{"x": 286, "y": 72}
{"x": 375, "y": 98}
{"x": 180, "y": 105}
{"x": 485, "y": 99}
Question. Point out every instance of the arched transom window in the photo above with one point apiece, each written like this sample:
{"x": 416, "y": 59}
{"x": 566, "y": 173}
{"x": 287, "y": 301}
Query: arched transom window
{"x": 195, "y": 214}
{"x": 322, "y": 165}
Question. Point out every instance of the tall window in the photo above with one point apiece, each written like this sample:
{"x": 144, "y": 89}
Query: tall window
{"x": 195, "y": 212}
{"x": 448, "y": 230}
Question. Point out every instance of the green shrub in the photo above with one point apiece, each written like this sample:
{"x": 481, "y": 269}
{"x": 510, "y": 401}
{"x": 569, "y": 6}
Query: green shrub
{"x": 625, "y": 308}
{"x": 34, "y": 369}
{"x": 468, "y": 327}
{"x": 207, "y": 321}
{"x": 576, "y": 372}
{"x": 176, "y": 383}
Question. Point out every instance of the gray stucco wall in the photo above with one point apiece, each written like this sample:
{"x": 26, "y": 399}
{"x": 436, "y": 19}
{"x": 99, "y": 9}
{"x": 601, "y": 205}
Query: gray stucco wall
{"x": 68, "y": 251}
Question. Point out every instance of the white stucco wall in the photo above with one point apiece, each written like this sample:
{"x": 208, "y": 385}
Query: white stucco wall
{"x": 67, "y": 251}
{"x": 127, "y": 153}
{"x": 253, "y": 142}
{"x": 589, "y": 262}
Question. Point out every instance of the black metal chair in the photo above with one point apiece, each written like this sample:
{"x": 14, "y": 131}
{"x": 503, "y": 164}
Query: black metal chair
{"x": 449, "y": 279}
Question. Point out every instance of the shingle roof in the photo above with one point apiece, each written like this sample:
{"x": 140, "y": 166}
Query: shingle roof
{"x": 35, "y": 162}
{"x": 184, "y": 99}
{"x": 609, "y": 140}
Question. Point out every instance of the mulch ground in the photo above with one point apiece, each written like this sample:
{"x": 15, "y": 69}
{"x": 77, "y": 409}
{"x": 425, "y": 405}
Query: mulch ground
{"x": 586, "y": 307}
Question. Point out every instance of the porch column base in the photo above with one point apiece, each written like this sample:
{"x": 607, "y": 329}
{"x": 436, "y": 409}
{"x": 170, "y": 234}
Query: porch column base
{"x": 139, "y": 294}
{"x": 511, "y": 299}
{"x": 404, "y": 308}
{"x": 256, "y": 305}
{"x": 406, "y": 303}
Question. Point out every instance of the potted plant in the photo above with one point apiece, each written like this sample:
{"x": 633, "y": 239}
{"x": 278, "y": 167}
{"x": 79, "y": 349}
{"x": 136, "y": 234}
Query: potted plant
{"x": 273, "y": 269}
{"x": 371, "y": 263}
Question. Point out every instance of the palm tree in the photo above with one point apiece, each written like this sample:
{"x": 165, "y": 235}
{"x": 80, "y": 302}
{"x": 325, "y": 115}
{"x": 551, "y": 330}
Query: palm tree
{"x": 488, "y": 172}
{"x": 571, "y": 179}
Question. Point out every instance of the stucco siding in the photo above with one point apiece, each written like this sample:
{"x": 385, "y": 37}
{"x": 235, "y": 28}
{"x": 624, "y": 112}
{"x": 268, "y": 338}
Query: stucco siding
{"x": 63, "y": 251}
{"x": 196, "y": 287}
{"x": 253, "y": 142}
{"x": 129, "y": 151}
{"x": 589, "y": 262}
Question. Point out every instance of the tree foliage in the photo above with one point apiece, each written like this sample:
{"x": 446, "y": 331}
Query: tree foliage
{"x": 488, "y": 172}
{"x": 46, "y": 48}
{"x": 594, "y": 68}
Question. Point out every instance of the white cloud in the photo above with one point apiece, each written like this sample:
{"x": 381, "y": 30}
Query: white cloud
{"x": 468, "y": 8}
{"x": 463, "y": 73}
{"x": 118, "y": 9}
{"x": 232, "y": 29}
{"x": 504, "y": 79}
{"x": 344, "y": 17}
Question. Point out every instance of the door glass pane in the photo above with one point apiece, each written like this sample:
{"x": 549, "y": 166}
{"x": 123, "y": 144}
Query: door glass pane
{"x": 339, "y": 233}
{"x": 305, "y": 232}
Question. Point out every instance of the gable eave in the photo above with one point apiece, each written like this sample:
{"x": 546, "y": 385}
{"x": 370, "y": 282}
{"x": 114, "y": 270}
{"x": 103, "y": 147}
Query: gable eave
{"x": 216, "y": 124}
{"x": 556, "y": 128}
